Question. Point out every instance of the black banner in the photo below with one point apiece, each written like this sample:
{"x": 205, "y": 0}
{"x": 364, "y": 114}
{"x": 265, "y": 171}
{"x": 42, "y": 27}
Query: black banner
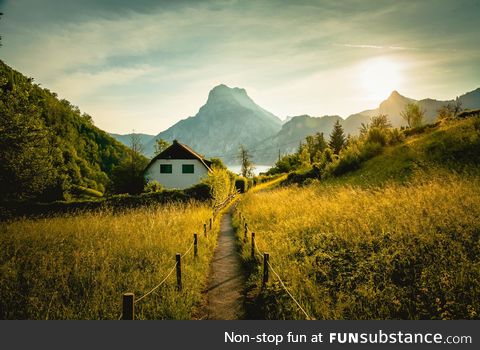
{"x": 239, "y": 334}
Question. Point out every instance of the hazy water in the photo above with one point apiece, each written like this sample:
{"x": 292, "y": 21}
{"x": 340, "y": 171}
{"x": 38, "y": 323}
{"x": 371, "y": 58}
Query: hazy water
{"x": 258, "y": 168}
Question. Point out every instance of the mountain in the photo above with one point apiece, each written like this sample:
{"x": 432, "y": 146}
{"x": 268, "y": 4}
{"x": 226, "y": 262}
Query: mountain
{"x": 48, "y": 148}
{"x": 287, "y": 140}
{"x": 228, "y": 119}
{"x": 396, "y": 103}
{"x": 127, "y": 138}
{"x": 295, "y": 129}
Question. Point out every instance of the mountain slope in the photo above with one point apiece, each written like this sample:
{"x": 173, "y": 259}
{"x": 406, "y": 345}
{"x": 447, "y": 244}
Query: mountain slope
{"x": 228, "y": 119}
{"x": 75, "y": 153}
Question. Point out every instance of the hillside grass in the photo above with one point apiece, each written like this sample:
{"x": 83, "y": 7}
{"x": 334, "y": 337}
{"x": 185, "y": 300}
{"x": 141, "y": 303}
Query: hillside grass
{"x": 77, "y": 267}
{"x": 399, "y": 251}
{"x": 452, "y": 145}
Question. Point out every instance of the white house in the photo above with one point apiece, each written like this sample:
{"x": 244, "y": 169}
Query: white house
{"x": 178, "y": 167}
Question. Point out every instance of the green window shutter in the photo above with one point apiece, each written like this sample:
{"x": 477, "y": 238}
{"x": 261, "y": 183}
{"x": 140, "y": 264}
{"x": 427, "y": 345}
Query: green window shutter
{"x": 165, "y": 168}
{"x": 188, "y": 169}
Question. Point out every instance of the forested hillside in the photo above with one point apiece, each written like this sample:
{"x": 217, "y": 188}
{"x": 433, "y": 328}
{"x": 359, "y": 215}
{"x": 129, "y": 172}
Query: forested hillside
{"x": 48, "y": 149}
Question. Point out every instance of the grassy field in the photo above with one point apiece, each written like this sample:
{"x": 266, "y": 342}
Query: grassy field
{"x": 77, "y": 267}
{"x": 403, "y": 250}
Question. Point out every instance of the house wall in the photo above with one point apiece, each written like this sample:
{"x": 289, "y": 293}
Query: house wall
{"x": 176, "y": 179}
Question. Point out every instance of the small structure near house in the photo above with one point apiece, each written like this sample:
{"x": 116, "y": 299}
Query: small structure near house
{"x": 177, "y": 167}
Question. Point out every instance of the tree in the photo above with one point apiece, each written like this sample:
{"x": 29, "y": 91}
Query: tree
{"x": 413, "y": 115}
{"x": 128, "y": 175}
{"x": 337, "y": 138}
{"x": 245, "y": 160}
{"x": 445, "y": 112}
{"x": 27, "y": 158}
{"x": 218, "y": 163}
{"x": 380, "y": 121}
{"x": 160, "y": 146}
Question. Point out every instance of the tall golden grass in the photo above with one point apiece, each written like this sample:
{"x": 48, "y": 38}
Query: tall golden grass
{"x": 408, "y": 251}
{"x": 77, "y": 267}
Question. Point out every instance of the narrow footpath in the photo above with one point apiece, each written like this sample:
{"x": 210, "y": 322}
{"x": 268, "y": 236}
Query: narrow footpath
{"x": 226, "y": 280}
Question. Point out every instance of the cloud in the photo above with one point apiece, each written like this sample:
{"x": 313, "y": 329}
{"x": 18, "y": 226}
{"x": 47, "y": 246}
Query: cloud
{"x": 146, "y": 64}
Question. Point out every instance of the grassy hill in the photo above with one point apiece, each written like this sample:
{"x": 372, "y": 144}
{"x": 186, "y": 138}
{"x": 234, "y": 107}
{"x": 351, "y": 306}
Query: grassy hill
{"x": 396, "y": 238}
{"x": 448, "y": 146}
{"x": 49, "y": 149}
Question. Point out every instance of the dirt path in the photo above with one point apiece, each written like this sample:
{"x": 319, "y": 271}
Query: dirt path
{"x": 226, "y": 281}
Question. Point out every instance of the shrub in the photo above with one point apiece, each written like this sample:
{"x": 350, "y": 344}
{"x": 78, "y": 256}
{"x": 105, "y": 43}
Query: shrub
{"x": 153, "y": 186}
{"x": 349, "y": 160}
{"x": 201, "y": 192}
{"x": 378, "y": 135}
{"x": 241, "y": 184}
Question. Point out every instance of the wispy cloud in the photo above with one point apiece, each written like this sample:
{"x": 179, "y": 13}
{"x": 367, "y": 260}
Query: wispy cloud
{"x": 146, "y": 64}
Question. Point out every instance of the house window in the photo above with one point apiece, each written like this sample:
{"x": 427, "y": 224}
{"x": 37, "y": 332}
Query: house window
{"x": 165, "y": 168}
{"x": 187, "y": 169}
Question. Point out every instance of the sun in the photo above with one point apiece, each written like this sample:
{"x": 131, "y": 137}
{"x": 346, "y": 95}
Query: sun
{"x": 379, "y": 77}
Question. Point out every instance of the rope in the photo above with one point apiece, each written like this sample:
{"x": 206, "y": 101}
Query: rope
{"x": 288, "y": 292}
{"x": 157, "y": 286}
{"x": 190, "y": 248}
{"x": 281, "y": 281}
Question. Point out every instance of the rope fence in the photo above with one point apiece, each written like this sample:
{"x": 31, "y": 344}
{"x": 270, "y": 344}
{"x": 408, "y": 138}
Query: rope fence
{"x": 255, "y": 250}
{"x": 128, "y": 299}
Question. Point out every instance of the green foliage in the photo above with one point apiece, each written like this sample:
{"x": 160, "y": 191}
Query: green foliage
{"x": 413, "y": 115}
{"x": 245, "y": 158}
{"x": 222, "y": 184}
{"x": 27, "y": 158}
{"x": 153, "y": 186}
{"x": 241, "y": 184}
{"x": 80, "y": 192}
{"x": 337, "y": 138}
{"x": 218, "y": 163}
{"x": 69, "y": 149}
{"x": 160, "y": 146}
{"x": 128, "y": 176}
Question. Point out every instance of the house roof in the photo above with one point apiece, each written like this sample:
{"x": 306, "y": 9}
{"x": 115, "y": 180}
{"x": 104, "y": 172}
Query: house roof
{"x": 178, "y": 150}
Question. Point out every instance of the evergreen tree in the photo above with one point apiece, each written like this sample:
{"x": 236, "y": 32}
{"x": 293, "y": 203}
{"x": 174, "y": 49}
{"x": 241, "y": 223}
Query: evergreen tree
{"x": 337, "y": 138}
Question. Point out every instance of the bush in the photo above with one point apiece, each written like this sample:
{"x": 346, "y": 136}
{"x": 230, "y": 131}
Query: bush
{"x": 378, "y": 135}
{"x": 201, "y": 192}
{"x": 153, "y": 186}
{"x": 349, "y": 160}
{"x": 241, "y": 184}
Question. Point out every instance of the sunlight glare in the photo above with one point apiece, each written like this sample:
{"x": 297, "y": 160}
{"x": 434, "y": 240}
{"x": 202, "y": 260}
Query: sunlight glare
{"x": 379, "y": 77}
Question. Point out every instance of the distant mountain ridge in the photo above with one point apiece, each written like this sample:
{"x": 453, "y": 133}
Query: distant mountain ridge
{"x": 230, "y": 118}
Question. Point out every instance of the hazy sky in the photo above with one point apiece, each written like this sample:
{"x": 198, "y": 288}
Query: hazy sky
{"x": 144, "y": 65}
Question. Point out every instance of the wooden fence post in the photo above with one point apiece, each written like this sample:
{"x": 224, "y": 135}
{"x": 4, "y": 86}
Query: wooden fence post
{"x": 128, "y": 307}
{"x": 266, "y": 257}
{"x": 195, "y": 248}
{"x": 178, "y": 258}
{"x": 210, "y": 228}
{"x": 245, "y": 234}
{"x": 253, "y": 245}
{"x": 205, "y": 229}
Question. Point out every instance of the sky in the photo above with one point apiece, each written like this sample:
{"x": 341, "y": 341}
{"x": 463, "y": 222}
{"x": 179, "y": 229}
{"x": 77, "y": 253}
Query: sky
{"x": 143, "y": 65}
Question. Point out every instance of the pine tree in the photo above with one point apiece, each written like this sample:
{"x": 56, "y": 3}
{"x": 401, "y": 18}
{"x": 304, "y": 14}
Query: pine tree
{"x": 337, "y": 138}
